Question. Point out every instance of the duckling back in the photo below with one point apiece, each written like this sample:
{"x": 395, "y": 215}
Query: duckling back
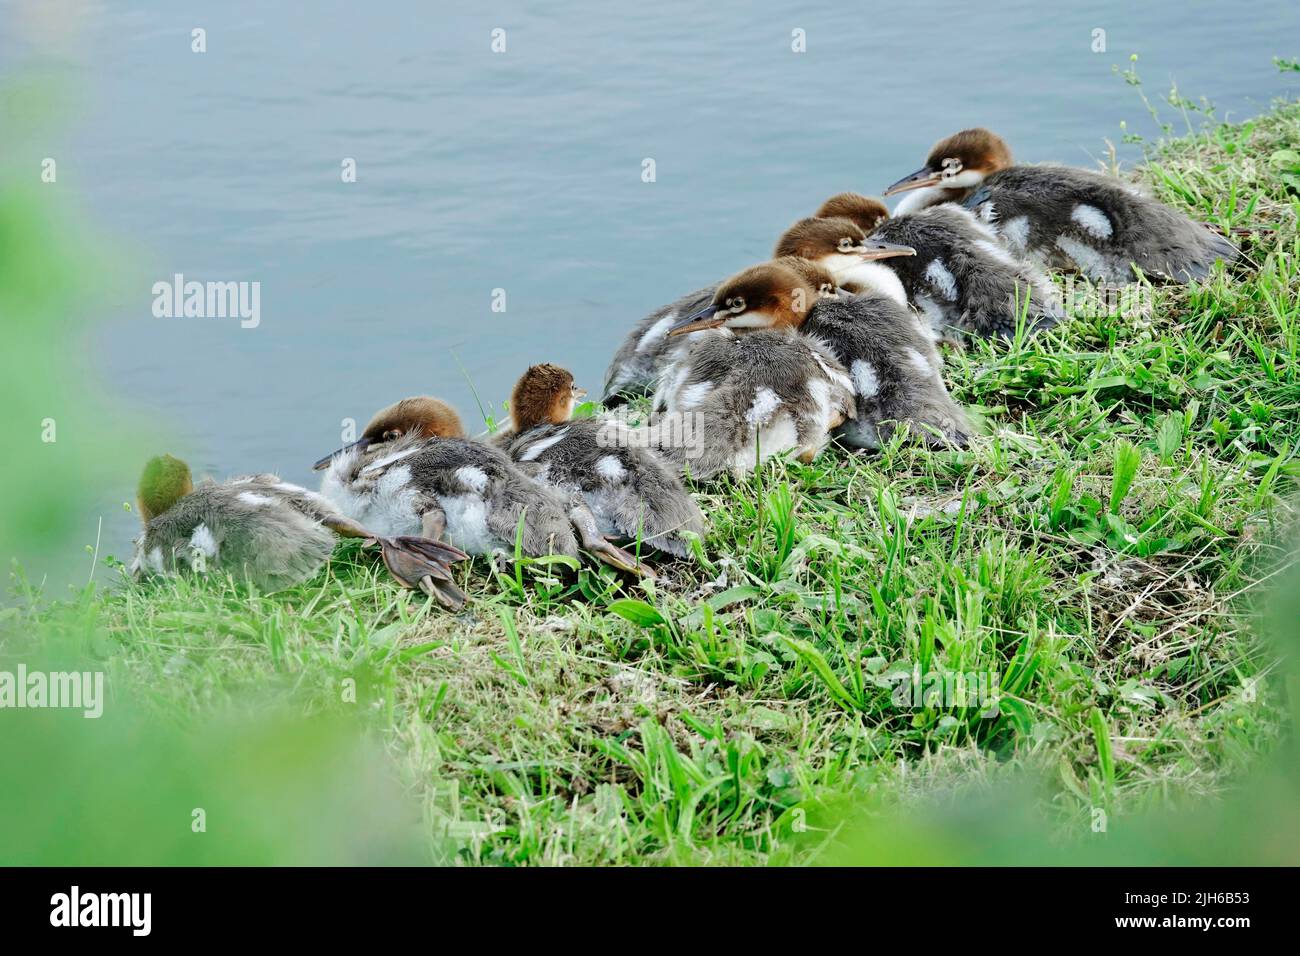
{"x": 895, "y": 369}
{"x": 629, "y": 489}
{"x": 475, "y": 488}
{"x": 731, "y": 401}
{"x": 1078, "y": 220}
{"x": 247, "y": 526}
{"x": 963, "y": 281}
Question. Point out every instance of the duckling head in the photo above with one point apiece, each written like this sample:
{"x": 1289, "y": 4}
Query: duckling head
{"x": 544, "y": 393}
{"x": 420, "y": 415}
{"x": 958, "y": 162}
{"x": 868, "y": 213}
{"x": 767, "y": 296}
{"x": 164, "y": 481}
{"x": 814, "y": 273}
{"x": 838, "y": 245}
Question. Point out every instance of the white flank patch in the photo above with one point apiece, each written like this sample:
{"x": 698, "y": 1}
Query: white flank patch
{"x": 1088, "y": 259}
{"x": 766, "y": 402}
{"x": 256, "y": 500}
{"x": 379, "y": 464}
{"x": 820, "y": 352}
{"x": 919, "y": 362}
{"x": 1015, "y": 232}
{"x": 944, "y": 282}
{"x": 1092, "y": 220}
{"x": 203, "y": 542}
{"x": 820, "y": 393}
{"x": 537, "y": 447}
{"x": 986, "y": 212}
{"x": 317, "y": 499}
{"x": 692, "y": 395}
{"x": 387, "y": 507}
{"x": 865, "y": 379}
{"x": 610, "y": 468}
{"x": 474, "y": 479}
{"x": 779, "y": 436}
{"x": 154, "y": 560}
{"x": 656, "y": 332}
{"x": 467, "y": 523}
{"x": 932, "y": 313}
{"x": 673, "y": 378}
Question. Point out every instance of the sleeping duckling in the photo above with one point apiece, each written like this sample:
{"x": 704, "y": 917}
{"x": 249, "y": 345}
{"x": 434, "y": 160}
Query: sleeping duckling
{"x": 961, "y": 279}
{"x": 630, "y": 492}
{"x": 754, "y": 388}
{"x": 892, "y": 361}
{"x": 1060, "y": 216}
{"x": 266, "y": 531}
{"x": 414, "y": 470}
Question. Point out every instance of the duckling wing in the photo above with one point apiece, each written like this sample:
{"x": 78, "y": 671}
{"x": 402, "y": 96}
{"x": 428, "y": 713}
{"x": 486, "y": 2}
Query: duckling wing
{"x": 964, "y": 282}
{"x": 488, "y": 501}
{"x": 646, "y": 348}
{"x": 894, "y": 366}
{"x": 1101, "y": 226}
{"x": 739, "y": 398}
{"x": 628, "y": 488}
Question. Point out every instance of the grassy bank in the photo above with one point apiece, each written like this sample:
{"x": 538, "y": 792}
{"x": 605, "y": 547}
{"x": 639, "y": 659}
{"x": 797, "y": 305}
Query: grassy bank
{"x": 1094, "y": 558}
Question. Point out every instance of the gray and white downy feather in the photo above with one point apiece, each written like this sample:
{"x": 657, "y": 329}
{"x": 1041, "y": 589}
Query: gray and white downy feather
{"x": 629, "y": 490}
{"x": 963, "y": 281}
{"x": 894, "y": 367}
{"x": 729, "y": 401}
{"x": 257, "y": 527}
{"x": 473, "y": 490}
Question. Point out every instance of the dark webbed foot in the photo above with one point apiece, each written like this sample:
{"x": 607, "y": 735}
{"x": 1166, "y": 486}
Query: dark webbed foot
{"x": 423, "y": 565}
{"x": 584, "y": 522}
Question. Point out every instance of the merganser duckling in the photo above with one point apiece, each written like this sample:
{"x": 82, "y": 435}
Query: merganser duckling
{"x": 648, "y": 349}
{"x": 629, "y": 490}
{"x": 961, "y": 280}
{"x": 266, "y": 531}
{"x": 414, "y": 470}
{"x": 1061, "y": 216}
{"x": 891, "y": 358}
{"x": 750, "y": 396}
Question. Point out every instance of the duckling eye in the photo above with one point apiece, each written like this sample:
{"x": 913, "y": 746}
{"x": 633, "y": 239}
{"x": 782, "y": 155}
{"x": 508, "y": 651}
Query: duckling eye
{"x": 392, "y": 434}
{"x": 951, "y": 167}
{"x": 826, "y": 288}
{"x": 846, "y": 244}
{"x": 737, "y": 305}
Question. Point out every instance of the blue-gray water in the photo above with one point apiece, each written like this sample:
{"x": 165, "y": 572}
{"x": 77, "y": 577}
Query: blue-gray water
{"x": 522, "y": 171}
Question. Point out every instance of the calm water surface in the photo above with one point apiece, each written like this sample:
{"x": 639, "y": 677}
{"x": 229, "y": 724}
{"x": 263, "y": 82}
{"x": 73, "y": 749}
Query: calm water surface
{"x": 522, "y": 171}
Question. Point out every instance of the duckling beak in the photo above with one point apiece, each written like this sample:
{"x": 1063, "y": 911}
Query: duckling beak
{"x": 925, "y": 176}
{"x": 876, "y": 249}
{"x": 361, "y": 444}
{"x": 579, "y": 391}
{"x": 706, "y": 318}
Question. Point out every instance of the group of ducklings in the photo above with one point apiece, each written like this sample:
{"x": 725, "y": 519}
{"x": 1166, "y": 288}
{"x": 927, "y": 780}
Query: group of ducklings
{"x": 835, "y": 337}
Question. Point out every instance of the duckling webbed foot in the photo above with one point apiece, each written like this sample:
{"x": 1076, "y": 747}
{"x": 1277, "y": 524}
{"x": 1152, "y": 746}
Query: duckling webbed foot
{"x": 423, "y": 565}
{"x": 584, "y": 522}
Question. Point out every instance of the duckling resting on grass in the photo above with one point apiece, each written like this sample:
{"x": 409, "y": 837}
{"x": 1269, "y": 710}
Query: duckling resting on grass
{"x": 961, "y": 279}
{"x": 631, "y": 492}
{"x": 1061, "y": 216}
{"x": 754, "y": 388}
{"x": 414, "y": 471}
{"x": 890, "y": 357}
{"x": 266, "y": 531}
